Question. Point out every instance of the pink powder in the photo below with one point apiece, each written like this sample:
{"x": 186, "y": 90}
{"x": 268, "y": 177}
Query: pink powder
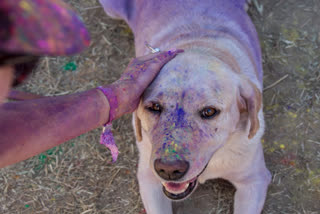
{"x": 107, "y": 139}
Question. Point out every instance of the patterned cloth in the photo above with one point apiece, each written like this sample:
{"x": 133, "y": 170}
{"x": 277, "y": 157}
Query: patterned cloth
{"x": 41, "y": 27}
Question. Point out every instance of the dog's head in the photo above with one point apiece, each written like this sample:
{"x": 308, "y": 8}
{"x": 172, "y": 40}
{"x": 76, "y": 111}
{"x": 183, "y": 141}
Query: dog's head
{"x": 190, "y": 110}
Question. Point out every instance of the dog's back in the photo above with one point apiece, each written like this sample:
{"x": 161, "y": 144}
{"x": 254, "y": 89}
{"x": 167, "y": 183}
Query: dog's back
{"x": 169, "y": 24}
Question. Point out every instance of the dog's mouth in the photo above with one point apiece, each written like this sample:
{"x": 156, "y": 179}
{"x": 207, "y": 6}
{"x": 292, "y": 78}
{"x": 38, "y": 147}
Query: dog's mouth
{"x": 179, "y": 191}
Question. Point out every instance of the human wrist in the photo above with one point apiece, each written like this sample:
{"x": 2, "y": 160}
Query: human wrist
{"x": 106, "y": 137}
{"x": 111, "y": 97}
{"x": 104, "y": 106}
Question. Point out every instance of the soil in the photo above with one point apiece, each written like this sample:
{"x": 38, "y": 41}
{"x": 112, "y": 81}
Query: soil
{"x": 78, "y": 176}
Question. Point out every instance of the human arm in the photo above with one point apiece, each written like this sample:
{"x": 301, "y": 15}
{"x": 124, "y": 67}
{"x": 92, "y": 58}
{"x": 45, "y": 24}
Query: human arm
{"x": 30, "y": 127}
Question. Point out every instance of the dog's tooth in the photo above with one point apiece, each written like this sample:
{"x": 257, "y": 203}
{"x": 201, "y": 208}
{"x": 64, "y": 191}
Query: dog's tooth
{"x": 186, "y": 186}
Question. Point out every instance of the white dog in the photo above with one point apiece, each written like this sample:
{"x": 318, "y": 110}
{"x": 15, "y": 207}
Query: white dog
{"x": 202, "y": 116}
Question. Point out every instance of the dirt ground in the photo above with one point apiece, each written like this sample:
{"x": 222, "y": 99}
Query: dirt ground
{"x": 77, "y": 177}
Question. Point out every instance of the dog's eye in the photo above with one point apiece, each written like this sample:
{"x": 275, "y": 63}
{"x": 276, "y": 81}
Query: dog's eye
{"x": 155, "y": 107}
{"x": 208, "y": 113}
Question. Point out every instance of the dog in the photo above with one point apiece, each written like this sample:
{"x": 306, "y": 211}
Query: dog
{"x": 201, "y": 118}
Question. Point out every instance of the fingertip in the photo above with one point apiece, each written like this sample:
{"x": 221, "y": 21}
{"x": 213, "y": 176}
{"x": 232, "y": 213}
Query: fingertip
{"x": 175, "y": 51}
{"x": 166, "y": 56}
{"x": 171, "y": 52}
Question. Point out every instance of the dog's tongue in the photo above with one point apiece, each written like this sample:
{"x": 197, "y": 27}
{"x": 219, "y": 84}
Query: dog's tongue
{"x": 176, "y": 188}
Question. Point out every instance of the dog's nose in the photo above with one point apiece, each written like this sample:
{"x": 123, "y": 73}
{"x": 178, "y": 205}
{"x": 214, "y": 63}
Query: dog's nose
{"x": 171, "y": 170}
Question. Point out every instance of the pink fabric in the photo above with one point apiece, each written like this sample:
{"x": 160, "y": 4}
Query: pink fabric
{"x": 107, "y": 139}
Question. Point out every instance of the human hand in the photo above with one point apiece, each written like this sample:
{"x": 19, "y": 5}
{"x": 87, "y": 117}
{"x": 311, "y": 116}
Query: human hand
{"x": 124, "y": 94}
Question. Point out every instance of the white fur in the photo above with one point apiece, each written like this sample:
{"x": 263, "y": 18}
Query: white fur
{"x": 222, "y": 68}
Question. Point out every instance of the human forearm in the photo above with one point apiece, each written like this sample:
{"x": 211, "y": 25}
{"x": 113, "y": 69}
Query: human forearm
{"x": 30, "y": 127}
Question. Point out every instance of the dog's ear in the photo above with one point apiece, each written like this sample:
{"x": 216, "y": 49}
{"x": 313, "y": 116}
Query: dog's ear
{"x": 119, "y": 9}
{"x": 250, "y": 101}
{"x": 137, "y": 127}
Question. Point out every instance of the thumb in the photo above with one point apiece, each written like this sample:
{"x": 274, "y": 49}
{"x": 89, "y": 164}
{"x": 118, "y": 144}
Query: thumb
{"x": 155, "y": 64}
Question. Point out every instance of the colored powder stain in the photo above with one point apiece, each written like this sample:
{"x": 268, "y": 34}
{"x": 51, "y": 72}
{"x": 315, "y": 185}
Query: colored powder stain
{"x": 164, "y": 145}
{"x": 171, "y": 149}
{"x": 27, "y": 206}
{"x": 143, "y": 67}
{"x": 26, "y": 6}
{"x": 52, "y": 44}
{"x": 143, "y": 211}
{"x": 42, "y": 43}
{"x": 180, "y": 115}
{"x": 107, "y": 139}
{"x": 288, "y": 162}
{"x": 272, "y": 149}
{"x": 42, "y": 158}
{"x": 23, "y": 37}
{"x": 314, "y": 178}
{"x": 183, "y": 94}
{"x": 273, "y": 107}
{"x": 292, "y": 115}
{"x": 282, "y": 146}
{"x": 311, "y": 173}
{"x": 71, "y": 66}
{"x": 172, "y": 126}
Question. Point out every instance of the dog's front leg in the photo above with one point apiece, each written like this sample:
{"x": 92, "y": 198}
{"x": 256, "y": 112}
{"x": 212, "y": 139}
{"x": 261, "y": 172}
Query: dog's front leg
{"x": 250, "y": 195}
{"x": 154, "y": 200}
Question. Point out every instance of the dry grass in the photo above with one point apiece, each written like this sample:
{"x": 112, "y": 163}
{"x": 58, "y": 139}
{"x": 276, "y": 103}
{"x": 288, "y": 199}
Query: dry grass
{"x": 77, "y": 177}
